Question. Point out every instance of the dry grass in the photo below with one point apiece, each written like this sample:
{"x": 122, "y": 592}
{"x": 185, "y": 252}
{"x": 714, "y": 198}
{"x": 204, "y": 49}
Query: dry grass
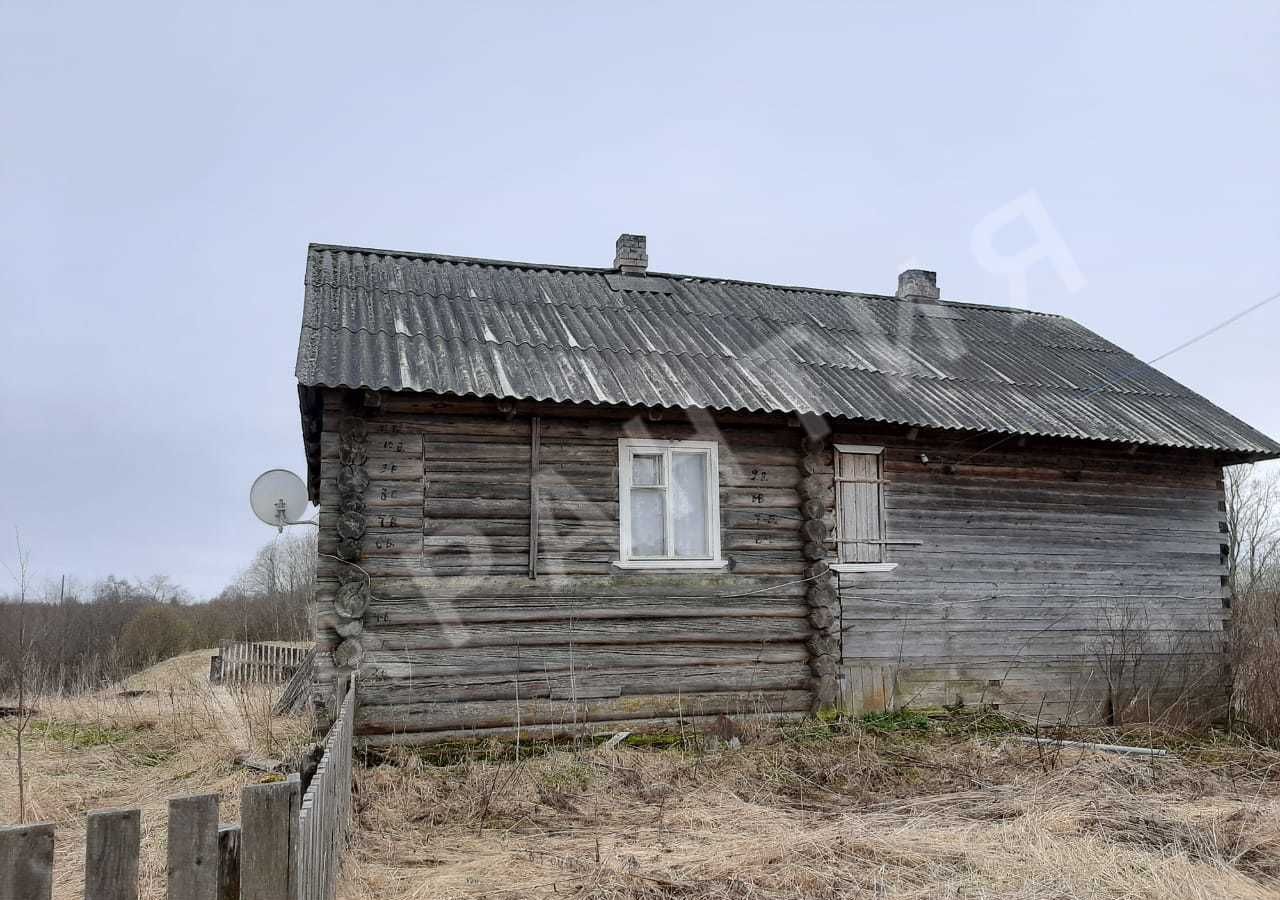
{"x": 822, "y": 814}
{"x": 1255, "y": 644}
{"x": 896, "y": 809}
{"x": 103, "y": 749}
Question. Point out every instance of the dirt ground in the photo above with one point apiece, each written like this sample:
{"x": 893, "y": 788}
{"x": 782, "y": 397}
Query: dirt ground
{"x": 112, "y": 748}
{"x": 902, "y": 808}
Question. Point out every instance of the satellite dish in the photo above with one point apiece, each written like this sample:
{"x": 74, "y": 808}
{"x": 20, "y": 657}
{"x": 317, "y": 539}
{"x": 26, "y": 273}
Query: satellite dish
{"x": 278, "y": 497}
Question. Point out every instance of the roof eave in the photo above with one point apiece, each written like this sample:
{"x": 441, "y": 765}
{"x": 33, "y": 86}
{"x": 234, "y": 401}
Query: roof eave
{"x": 310, "y": 394}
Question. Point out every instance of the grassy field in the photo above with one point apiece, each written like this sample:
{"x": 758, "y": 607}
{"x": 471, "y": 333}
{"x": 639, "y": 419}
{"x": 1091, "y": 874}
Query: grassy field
{"x": 900, "y": 808}
{"x": 111, "y": 749}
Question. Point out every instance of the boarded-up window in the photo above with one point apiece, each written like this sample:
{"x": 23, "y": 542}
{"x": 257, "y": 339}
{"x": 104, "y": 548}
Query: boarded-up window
{"x": 859, "y": 504}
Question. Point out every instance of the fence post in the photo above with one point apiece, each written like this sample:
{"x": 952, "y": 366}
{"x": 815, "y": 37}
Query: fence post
{"x": 193, "y": 848}
{"x": 229, "y": 862}
{"x": 111, "y": 854}
{"x": 26, "y": 862}
{"x": 269, "y": 841}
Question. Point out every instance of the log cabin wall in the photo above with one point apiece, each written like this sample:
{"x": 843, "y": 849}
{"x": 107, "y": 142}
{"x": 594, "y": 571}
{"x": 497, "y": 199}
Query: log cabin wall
{"x": 459, "y": 640}
{"x": 1014, "y": 565}
{"x": 1057, "y": 580}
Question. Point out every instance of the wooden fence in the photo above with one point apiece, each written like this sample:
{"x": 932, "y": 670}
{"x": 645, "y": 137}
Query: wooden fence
{"x": 324, "y": 822}
{"x": 297, "y": 691}
{"x": 242, "y": 662}
{"x": 288, "y": 845}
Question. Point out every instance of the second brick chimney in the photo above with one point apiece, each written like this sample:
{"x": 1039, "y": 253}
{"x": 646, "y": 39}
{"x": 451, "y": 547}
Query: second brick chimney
{"x": 919, "y": 285}
{"x": 631, "y": 256}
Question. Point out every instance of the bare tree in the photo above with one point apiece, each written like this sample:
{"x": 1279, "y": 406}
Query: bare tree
{"x": 300, "y": 579}
{"x": 163, "y": 589}
{"x": 23, "y": 676}
{"x": 283, "y": 575}
{"x": 1253, "y": 518}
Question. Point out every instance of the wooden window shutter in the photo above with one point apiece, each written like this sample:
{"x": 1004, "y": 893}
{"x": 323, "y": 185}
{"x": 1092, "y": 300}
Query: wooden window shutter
{"x": 860, "y": 527}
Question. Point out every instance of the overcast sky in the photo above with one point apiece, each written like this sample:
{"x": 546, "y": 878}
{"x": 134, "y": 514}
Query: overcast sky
{"x": 162, "y": 170}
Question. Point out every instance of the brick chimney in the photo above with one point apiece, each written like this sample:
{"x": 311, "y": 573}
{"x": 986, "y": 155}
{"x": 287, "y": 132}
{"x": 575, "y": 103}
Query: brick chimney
{"x": 919, "y": 285}
{"x": 631, "y": 256}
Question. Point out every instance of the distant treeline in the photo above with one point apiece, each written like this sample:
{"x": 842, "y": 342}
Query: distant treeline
{"x": 67, "y": 638}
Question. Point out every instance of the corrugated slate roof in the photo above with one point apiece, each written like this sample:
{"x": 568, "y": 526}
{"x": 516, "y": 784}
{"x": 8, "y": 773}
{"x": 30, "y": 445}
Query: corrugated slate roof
{"x": 409, "y": 321}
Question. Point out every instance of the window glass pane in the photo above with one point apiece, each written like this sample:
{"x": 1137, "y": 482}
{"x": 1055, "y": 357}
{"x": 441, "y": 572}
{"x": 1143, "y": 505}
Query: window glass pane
{"x": 689, "y": 503}
{"x": 646, "y": 523}
{"x": 646, "y": 469}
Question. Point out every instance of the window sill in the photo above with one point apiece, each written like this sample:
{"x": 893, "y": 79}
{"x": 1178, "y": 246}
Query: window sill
{"x": 674, "y": 565}
{"x": 853, "y": 568}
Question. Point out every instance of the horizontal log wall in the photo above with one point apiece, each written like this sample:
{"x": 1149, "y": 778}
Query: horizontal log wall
{"x": 458, "y": 639}
{"x": 1050, "y": 579}
{"x": 1029, "y": 564}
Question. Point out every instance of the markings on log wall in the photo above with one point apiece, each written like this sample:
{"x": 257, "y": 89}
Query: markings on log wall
{"x": 397, "y": 490}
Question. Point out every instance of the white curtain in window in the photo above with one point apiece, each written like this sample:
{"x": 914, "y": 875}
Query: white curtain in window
{"x": 647, "y": 525}
{"x": 689, "y": 503}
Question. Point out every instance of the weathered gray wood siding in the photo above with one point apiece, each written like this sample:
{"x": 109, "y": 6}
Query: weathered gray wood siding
{"x": 458, "y": 638}
{"x": 1031, "y": 569}
{"x": 1048, "y": 577}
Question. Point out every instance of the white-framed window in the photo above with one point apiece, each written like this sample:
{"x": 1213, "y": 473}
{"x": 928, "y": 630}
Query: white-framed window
{"x": 669, "y": 504}
{"x": 860, "y": 529}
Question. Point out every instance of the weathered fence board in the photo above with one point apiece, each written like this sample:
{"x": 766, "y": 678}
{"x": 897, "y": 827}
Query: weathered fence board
{"x": 268, "y": 836}
{"x": 193, "y": 848}
{"x": 26, "y": 862}
{"x": 111, "y": 854}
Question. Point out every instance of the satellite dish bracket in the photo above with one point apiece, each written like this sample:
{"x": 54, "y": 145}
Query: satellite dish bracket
{"x": 282, "y": 517}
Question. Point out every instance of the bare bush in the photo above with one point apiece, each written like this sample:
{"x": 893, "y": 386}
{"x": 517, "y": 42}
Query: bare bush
{"x": 1156, "y": 672}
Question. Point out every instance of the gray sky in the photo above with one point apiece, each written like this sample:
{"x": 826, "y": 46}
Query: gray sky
{"x": 162, "y": 170}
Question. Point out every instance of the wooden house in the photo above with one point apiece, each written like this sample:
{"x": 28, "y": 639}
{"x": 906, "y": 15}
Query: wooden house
{"x": 562, "y": 497}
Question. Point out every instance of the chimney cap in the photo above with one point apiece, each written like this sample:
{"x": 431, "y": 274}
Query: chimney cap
{"x": 919, "y": 285}
{"x": 631, "y": 256}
